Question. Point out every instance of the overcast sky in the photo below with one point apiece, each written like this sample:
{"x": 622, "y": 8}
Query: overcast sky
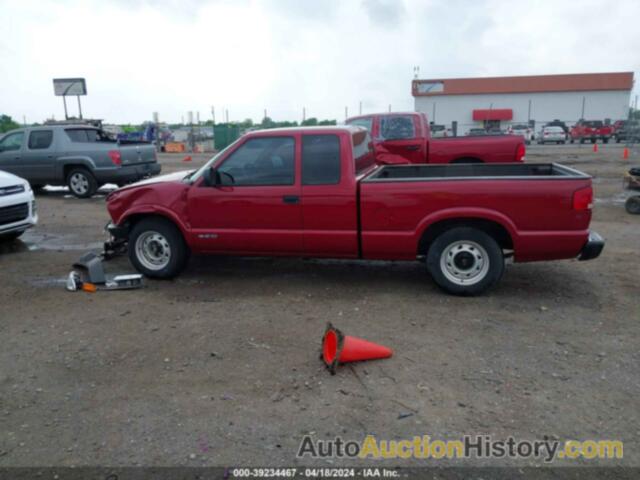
{"x": 172, "y": 56}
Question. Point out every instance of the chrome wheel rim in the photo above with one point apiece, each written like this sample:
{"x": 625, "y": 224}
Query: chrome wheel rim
{"x": 153, "y": 250}
{"x": 79, "y": 183}
{"x": 464, "y": 262}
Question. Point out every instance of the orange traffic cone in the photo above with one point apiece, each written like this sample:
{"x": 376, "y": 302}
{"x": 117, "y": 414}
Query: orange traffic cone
{"x": 340, "y": 348}
{"x": 625, "y": 154}
{"x": 187, "y": 158}
{"x": 595, "y": 147}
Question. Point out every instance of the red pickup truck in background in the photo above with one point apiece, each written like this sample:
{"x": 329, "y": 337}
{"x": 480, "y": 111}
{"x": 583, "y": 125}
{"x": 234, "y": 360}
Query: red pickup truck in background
{"x": 406, "y": 138}
{"x": 318, "y": 192}
{"x": 592, "y": 130}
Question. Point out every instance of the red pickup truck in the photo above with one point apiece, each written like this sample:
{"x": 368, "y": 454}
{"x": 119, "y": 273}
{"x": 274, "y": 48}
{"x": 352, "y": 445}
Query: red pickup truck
{"x": 592, "y": 130}
{"x": 401, "y": 138}
{"x": 318, "y": 192}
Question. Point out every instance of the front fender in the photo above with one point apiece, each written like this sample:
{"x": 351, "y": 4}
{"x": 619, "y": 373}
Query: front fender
{"x": 156, "y": 210}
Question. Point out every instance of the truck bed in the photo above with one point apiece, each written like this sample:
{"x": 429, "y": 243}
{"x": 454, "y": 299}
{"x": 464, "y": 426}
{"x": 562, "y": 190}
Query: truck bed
{"x": 532, "y": 202}
{"x": 474, "y": 171}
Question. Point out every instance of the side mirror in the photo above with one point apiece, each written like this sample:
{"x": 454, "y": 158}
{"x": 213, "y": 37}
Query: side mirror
{"x": 211, "y": 177}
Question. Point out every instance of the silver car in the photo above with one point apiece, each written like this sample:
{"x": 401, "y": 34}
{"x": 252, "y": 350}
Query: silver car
{"x": 552, "y": 135}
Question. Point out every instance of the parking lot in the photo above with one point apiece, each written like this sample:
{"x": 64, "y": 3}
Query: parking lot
{"x": 220, "y": 366}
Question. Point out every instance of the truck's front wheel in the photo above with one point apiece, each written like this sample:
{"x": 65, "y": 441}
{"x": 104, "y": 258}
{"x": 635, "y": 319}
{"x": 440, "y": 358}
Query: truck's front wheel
{"x": 157, "y": 249}
{"x": 465, "y": 261}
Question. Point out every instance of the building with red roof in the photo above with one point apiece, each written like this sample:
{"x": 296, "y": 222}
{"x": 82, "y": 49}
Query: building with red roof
{"x": 500, "y": 101}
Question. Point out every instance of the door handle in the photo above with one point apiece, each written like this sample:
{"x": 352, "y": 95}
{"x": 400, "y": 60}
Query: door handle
{"x": 412, "y": 147}
{"x": 291, "y": 199}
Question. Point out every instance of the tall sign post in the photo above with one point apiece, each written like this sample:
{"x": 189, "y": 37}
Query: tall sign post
{"x": 66, "y": 87}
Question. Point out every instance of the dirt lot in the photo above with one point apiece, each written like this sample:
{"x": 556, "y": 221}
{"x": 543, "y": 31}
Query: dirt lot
{"x": 220, "y": 366}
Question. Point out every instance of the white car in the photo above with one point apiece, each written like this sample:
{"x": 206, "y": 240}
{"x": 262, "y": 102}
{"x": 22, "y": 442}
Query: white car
{"x": 17, "y": 206}
{"x": 521, "y": 129}
{"x": 552, "y": 135}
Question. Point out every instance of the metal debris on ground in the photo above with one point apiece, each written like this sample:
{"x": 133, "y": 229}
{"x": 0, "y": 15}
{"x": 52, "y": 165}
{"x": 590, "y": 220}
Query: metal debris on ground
{"x": 88, "y": 275}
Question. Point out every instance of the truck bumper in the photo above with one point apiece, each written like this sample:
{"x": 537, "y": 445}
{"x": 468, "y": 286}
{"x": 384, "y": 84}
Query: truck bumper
{"x": 117, "y": 242}
{"x": 593, "y": 248}
{"x": 117, "y": 232}
{"x": 127, "y": 174}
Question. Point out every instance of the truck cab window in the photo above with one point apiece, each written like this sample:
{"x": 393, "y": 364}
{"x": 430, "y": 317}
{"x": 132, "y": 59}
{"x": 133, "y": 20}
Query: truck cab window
{"x": 262, "y": 161}
{"x": 87, "y": 135}
{"x": 399, "y": 127}
{"x": 40, "y": 139}
{"x": 12, "y": 142}
{"x": 366, "y": 122}
{"x": 320, "y": 160}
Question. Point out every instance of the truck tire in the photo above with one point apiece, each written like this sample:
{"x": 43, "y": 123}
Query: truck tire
{"x": 81, "y": 182}
{"x": 632, "y": 205}
{"x": 605, "y": 140}
{"x": 157, "y": 249}
{"x": 465, "y": 261}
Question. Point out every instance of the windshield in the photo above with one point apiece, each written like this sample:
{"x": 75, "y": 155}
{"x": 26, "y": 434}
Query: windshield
{"x": 193, "y": 176}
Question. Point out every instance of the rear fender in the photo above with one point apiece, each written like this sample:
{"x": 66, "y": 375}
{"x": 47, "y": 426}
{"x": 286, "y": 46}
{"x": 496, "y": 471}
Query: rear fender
{"x": 64, "y": 163}
{"x": 462, "y": 213}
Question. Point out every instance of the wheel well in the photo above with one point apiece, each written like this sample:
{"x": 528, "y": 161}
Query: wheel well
{"x": 68, "y": 168}
{"x": 494, "y": 229}
{"x": 132, "y": 220}
{"x": 467, "y": 160}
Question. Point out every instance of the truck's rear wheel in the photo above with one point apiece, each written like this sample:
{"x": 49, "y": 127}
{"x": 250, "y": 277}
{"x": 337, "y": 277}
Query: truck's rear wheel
{"x": 81, "y": 183}
{"x": 465, "y": 261}
{"x": 157, "y": 249}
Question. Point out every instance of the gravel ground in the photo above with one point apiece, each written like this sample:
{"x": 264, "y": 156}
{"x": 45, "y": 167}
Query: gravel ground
{"x": 220, "y": 366}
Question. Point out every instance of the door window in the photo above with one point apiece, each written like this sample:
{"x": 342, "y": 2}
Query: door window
{"x": 397, "y": 127}
{"x": 320, "y": 160}
{"x": 12, "y": 142}
{"x": 40, "y": 139}
{"x": 261, "y": 161}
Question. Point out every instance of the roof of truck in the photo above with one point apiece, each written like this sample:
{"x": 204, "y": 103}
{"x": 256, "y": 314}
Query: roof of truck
{"x": 318, "y": 128}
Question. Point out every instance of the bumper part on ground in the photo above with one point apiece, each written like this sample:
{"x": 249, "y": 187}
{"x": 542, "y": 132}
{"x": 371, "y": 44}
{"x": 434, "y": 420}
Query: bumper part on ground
{"x": 593, "y": 248}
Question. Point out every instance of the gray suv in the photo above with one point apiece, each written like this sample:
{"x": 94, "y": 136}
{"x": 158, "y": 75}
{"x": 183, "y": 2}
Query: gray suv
{"x": 79, "y": 156}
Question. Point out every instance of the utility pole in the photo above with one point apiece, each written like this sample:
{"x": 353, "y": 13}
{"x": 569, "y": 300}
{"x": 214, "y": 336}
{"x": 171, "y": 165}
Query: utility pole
{"x": 226, "y": 114}
{"x": 156, "y": 130}
{"x": 529, "y": 112}
{"x": 304, "y": 113}
{"x": 389, "y": 108}
{"x": 213, "y": 114}
{"x": 346, "y": 112}
{"x": 360, "y": 108}
{"x": 433, "y": 117}
{"x": 79, "y": 107}
{"x": 583, "y": 101}
{"x": 265, "y": 113}
{"x": 24, "y": 120}
{"x": 64, "y": 102}
{"x": 191, "y": 137}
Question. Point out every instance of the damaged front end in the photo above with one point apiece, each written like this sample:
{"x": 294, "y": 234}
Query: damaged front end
{"x": 116, "y": 244}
